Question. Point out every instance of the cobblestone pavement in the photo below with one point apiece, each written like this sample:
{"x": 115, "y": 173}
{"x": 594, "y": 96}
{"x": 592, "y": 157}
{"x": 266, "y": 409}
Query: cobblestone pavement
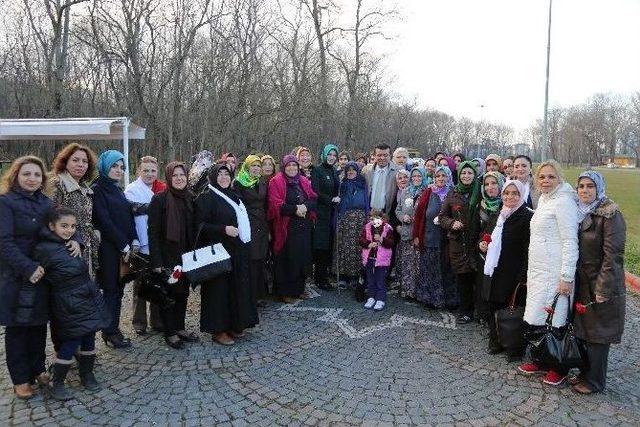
{"x": 328, "y": 361}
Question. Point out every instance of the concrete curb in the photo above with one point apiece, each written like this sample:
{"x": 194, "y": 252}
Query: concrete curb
{"x": 633, "y": 282}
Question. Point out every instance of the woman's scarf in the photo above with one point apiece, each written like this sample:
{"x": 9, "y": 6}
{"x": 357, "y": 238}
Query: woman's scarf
{"x": 442, "y": 192}
{"x": 495, "y": 246}
{"x": 273, "y": 162}
{"x": 472, "y": 189}
{"x": 244, "y": 177}
{"x": 305, "y": 170}
{"x": 497, "y": 159}
{"x": 416, "y": 190}
{"x": 588, "y": 209}
{"x": 401, "y": 191}
{"x": 325, "y": 152}
{"x": 178, "y": 209}
{"x": 482, "y": 166}
{"x": 452, "y": 167}
{"x": 492, "y": 204}
{"x": 350, "y": 187}
{"x": 106, "y": 161}
{"x": 290, "y": 158}
{"x": 242, "y": 217}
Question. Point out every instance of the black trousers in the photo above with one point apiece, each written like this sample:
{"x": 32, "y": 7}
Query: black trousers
{"x": 595, "y": 373}
{"x": 322, "y": 260}
{"x": 173, "y": 317}
{"x": 466, "y": 285}
{"x": 25, "y": 350}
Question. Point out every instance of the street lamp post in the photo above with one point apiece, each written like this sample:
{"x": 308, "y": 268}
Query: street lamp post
{"x": 482, "y": 106}
{"x": 545, "y": 130}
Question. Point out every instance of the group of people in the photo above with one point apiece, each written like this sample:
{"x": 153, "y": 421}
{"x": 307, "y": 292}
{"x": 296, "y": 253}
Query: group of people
{"x": 456, "y": 234}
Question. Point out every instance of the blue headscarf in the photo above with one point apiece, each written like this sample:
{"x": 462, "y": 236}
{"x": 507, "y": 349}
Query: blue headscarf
{"x": 353, "y": 192}
{"x": 415, "y": 190}
{"x": 598, "y": 180}
{"x": 108, "y": 159}
{"x": 442, "y": 193}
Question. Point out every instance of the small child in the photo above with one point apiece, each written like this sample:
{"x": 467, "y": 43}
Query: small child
{"x": 77, "y": 308}
{"x": 377, "y": 243}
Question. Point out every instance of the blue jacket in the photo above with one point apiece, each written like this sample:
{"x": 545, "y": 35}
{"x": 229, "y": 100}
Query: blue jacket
{"x": 113, "y": 217}
{"x": 21, "y": 219}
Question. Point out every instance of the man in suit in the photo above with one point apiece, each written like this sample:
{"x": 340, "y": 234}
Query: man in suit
{"x": 381, "y": 180}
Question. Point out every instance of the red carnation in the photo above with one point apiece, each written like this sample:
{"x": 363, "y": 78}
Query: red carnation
{"x": 177, "y": 274}
{"x": 486, "y": 237}
{"x": 456, "y": 208}
{"x": 582, "y": 308}
{"x": 549, "y": 310}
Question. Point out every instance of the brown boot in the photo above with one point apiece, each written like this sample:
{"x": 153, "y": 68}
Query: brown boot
{"x": 223, "y": 339}
{"x": 23, "y": 391}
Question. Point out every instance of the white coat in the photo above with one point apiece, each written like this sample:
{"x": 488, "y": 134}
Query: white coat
{"x": 553, "y": 254}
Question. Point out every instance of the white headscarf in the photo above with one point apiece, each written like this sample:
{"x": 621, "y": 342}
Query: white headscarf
{"x": 495, "y": 246}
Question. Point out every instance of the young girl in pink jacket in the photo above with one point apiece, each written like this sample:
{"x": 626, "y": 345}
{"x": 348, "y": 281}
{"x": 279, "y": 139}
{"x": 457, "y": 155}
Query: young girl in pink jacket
{"x": 376, "y": 240}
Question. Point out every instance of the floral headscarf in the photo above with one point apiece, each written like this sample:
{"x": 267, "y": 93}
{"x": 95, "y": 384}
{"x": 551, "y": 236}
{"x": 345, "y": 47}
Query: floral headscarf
{"x": 492, "y": 204}
{"x": 244, "y": 177}
{"x": 414, "y": 190}
{"x": 442, "y": 192}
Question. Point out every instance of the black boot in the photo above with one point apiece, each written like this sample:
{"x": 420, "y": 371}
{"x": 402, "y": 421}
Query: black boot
{"x": 116, "y": 340}
{"x": 56, "y": 387}
{"x": 87, "y": 379}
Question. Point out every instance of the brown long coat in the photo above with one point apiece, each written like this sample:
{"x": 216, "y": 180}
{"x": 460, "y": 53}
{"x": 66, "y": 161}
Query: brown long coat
{"x": 600, "y": 271}
{"x": 463, "y": 243}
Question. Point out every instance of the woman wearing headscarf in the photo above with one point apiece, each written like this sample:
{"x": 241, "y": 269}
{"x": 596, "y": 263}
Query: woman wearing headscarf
{"x": 113, "y": 217}
{"x": 292, "y": 205}
{"x": 303, "y": 154}
{"x": 435, "y": 286}
{"x": 493, "y": 163}
{"x": 325, "y": 183}
{"x": 343, "y": 158}
{"x": 601, "y": 283}
{"x": 253, "y": 193}
{"x": 522, "y": 172}
{"x": 481, "y": 166}
{"x": 458, "y": 158}
{"x": 430, "y": 168}
{"x": 457, "y": 217}
{"x": 408, "y": 255}
{"x": 268, "y": 168}
{"x": 353, "y": 213}
{"x": 486, "y": 217}
{"x": 227, "y": 303}
{"x": 451, "y": 164}
{"x": 171, "y": 231}
{"x": 505, "y": 264}
{"x": 553, "y": 254}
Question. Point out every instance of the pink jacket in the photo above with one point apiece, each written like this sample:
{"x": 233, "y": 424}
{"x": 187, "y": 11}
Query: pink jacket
{"x": 383, "y": 255}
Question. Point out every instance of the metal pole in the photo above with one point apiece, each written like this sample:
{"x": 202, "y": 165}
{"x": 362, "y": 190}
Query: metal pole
{"x": 125, "y": 148}
{"x": 545, "y": 131}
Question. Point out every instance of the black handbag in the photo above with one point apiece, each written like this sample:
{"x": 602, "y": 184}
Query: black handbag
{"x": 509, "y": 323}
{"x": 556, "y": 347}
{"x": 155, "y": 289}
{"x": 206, "y": 263}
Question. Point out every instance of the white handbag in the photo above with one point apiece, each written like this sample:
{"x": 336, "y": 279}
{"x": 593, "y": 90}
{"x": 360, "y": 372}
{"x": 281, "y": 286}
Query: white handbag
{"x": 206, "y": 263}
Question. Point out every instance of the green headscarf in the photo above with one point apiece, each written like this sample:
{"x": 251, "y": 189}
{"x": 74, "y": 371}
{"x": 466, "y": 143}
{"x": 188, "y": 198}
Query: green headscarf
{"x": 244, "y": 177}
{"x": 492, "y": 204}
{"x": 326, "y": 150}
{"x": 473, "y": 189}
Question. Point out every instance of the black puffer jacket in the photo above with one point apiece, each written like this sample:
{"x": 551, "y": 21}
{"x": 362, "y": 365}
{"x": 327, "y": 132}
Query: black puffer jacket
{"x": 76, "y": 306}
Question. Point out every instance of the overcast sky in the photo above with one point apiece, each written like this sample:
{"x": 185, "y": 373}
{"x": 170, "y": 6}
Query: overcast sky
{"x": 455, "y": 55}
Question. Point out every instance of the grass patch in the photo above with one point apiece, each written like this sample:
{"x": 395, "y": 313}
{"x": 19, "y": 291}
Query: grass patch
{"x": 623, "y": 187}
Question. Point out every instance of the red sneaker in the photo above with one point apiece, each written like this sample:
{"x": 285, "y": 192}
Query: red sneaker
{"x": 553, "y": 378}
{"x": 531, "y": 369}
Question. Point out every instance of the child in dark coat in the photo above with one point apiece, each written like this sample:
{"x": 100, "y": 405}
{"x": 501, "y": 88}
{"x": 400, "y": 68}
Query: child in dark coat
{"x": 376, "y": 241}
{"x": 76, "y": 306}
